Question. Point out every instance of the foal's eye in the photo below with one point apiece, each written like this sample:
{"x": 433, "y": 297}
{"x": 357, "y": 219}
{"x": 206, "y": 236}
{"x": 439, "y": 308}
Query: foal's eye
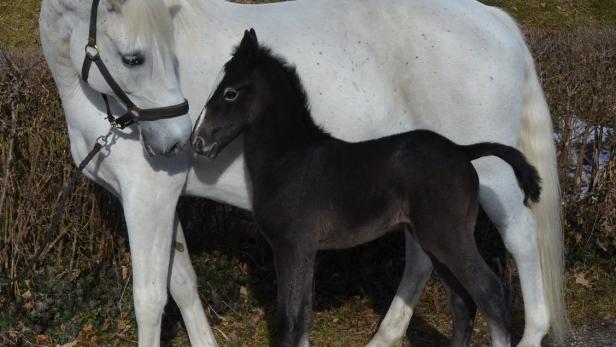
{"x": 230, "y": 94}
{"x": 132, "y": 60}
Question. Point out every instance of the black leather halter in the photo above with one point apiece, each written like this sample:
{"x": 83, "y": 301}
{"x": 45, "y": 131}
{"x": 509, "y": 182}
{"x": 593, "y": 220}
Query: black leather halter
{"x": 133, "y": 112}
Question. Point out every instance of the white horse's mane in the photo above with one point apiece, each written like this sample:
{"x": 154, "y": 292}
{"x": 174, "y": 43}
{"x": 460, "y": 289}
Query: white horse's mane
{"x": 188, "y": 14}
{"x": 150, "y": 23}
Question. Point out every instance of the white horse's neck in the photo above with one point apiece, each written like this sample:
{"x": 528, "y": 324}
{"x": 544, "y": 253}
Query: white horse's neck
{"x": 56, "y": 23}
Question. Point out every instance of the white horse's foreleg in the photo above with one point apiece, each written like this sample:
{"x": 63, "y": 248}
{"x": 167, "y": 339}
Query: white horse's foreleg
{"x": 501, "y": 199}
{"x": 149, "y": 214}
{"x": 304, "y": 341}
{"x": 417, "y": 270}
{"x": 183, "y": 287}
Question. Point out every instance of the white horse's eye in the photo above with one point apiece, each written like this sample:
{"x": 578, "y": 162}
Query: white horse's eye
{"x": 230, "y": 94}
{"x": 132, "y": 60}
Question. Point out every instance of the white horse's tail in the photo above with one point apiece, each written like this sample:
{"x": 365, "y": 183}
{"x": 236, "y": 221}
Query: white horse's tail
{"x": 535, "y": 141}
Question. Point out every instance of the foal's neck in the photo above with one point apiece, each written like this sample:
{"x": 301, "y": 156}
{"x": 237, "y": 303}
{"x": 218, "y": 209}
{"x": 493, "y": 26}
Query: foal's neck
{"x": 284, "y": 129}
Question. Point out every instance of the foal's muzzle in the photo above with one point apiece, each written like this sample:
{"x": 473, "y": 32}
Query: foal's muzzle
{"x": 201, "y": 147}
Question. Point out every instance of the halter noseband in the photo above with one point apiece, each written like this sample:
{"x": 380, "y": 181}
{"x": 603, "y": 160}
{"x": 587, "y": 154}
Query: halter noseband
{"x": 133, "y": 112}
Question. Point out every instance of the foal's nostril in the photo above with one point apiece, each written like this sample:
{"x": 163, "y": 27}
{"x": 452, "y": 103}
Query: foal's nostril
{"x": 198, "y": 144}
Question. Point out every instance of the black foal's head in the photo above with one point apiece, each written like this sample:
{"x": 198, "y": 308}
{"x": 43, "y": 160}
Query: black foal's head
{"x": 232, "y": 105}
{"x": 254, "y": 80}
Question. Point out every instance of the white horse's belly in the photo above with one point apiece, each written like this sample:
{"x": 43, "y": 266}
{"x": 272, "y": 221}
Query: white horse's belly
{"x": 374, "y": 68}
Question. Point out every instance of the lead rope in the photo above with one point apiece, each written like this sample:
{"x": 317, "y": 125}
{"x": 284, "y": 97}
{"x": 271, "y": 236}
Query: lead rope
{"x": 55, "y": 221}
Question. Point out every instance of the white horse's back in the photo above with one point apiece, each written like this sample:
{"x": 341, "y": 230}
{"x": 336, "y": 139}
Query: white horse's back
{"x": 371, "y": 68}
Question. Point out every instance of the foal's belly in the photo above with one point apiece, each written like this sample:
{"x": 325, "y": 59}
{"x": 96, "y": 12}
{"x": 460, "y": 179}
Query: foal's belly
{"x": 346, "y": 234}
{"x": 342, "y": 238}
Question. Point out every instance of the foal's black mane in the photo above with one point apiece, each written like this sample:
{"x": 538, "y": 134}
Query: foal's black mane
{"x": 265, "y": 60}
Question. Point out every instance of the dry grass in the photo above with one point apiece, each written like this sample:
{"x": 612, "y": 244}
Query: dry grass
{"x": 578, "y": 72}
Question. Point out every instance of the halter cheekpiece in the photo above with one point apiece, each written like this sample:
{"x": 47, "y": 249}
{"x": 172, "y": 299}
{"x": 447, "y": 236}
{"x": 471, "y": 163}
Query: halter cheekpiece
{"x": 133, "y": 112}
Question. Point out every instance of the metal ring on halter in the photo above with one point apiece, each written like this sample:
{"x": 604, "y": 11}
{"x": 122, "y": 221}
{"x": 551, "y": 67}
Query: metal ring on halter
{"x": 91, "y": 51}
{"x": 102, "y": 140}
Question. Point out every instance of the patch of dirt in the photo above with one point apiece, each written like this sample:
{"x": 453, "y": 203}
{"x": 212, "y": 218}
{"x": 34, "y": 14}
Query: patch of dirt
{"x": 592, "y": 335}
{"x": 602, "y": 335}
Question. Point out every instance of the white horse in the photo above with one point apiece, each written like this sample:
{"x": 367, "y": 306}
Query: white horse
{"x": 371, "y": 68}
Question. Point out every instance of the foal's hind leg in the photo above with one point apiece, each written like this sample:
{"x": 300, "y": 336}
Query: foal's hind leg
{"x": 417, "y": 270}
{"x": 448, "y": 237}
{"x": 462, "y": 306}
{"x": 464, "y": 261}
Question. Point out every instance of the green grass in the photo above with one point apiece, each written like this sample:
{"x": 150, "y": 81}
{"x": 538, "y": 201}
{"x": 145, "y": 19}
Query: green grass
{"x": 560, "y": 14}
{"x": 19, "y": 23}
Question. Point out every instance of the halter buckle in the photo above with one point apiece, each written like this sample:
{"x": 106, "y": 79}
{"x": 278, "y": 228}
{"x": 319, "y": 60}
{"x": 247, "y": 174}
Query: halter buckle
{"x": 134, "y": 112}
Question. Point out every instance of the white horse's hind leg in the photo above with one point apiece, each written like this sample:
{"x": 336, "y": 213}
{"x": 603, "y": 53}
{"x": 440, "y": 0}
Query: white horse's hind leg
{"x": 417, "y": 270}
{"x": 183, "y": 287}
{"x": 502, "y": 201}
{"x": 149, "y": 215}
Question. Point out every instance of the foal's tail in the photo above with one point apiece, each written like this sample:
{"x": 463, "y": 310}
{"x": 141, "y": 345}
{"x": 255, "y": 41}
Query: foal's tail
{"x": 526, "y": 174}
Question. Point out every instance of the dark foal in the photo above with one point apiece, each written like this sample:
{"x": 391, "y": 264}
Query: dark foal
{"x": 312, "y": 191}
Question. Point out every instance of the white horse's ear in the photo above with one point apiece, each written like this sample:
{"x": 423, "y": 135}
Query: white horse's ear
{"x": 174, "y": 10}
{"x": 114, "y": 5}
{"x": 174, "y": 7}
{"x": 172, "y": 3}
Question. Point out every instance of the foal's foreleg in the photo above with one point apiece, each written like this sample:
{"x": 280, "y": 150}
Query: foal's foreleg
{"x": 294, "y": 276}
{"x": 417, "y": 270}
{"x": 183, "y": 287}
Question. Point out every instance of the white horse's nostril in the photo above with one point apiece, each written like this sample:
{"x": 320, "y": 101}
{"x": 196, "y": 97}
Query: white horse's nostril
{"x": 175, "y": 148}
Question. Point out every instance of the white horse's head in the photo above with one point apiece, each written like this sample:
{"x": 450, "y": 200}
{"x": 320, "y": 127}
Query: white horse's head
{"x": 134, "y": 39}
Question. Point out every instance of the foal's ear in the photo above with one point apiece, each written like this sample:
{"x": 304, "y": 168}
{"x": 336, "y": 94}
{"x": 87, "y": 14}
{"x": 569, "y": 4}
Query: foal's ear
{"x": 249, "y": 45}
{"x": 253, "y": 37}
{"x": 250, "y": 40}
